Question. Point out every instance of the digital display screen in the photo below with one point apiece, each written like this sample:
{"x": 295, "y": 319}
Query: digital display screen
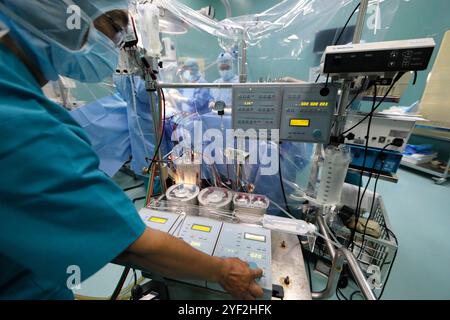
{"x": 255, "y": 237}
{"x": 201, "y": 228}
{"x": 299, "y": 123}
{"x": 314, "y": 104}
{"x": 248, "y": 103}
{"x": 157, "y": 220}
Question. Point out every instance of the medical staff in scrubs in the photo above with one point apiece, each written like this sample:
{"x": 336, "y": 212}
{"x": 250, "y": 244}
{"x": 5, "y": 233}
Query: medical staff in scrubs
{"x": 58, "y": 211}
{"x": 194, "y": 100}
{"x": 227, "y": 73}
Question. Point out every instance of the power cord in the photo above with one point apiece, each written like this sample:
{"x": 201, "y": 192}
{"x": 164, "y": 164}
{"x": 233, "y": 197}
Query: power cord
{"x": 361, "y": 90}
{"x": 339, "y": 38}
{"x": 133, "y": 187}
{"x": 392, "y": 264}
{"x": 396, "y": 79}
{"x": 398, "y": 142}
{"x": 119, "y": 286}
{"x": 366, "y": 148}
{"x": 153, "y": 162}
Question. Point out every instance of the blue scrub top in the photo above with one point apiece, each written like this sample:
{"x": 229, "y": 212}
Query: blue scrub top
{"x": 57, "y": 209}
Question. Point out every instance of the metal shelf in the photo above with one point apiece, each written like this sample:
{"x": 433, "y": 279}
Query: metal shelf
{"x": 384, "y": 176}
{"x": 434, "y": 132}
{"x": 441, "y": 175}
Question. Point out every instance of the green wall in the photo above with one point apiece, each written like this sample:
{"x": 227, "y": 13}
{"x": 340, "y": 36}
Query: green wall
{"x": 414, "y": 19}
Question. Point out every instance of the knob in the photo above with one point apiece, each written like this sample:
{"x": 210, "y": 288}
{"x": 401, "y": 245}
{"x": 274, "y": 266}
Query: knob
{"x": 252, "y": 265}
{"x": 317, "y": 133}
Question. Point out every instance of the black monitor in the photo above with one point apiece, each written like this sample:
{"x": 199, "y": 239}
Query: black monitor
{"x": 328, "y": 37}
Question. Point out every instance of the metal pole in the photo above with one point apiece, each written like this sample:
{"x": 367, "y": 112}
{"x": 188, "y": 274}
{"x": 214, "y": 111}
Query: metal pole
{"x": 243, "y": 61}
{"x": 163, "y": 174}
{"x": 223, "y": 85}
{"x": 341, "y": 116}
{"x": 360, "y": 22}
{"x": 340, "y": 120}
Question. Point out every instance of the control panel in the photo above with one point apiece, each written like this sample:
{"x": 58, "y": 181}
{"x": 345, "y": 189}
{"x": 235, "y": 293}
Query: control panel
{"x": 162, "y": 221}
{"x": 250, "y": 244}
{"x": 256, "y": 108}
{"x": 306, "y": 114}
{"x": 389, "y": 56}
{"x": 202, "y": 234}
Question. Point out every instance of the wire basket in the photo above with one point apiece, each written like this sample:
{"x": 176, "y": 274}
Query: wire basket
{"x": 378, "y": 252}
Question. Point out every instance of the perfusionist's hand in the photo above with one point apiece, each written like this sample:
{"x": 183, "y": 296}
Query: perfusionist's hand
{"x": 239, "y": 280}
{"x": 169, "y": 256}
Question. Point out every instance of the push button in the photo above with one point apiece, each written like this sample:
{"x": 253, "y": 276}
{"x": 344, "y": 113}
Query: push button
{"x": 317, "y": 133}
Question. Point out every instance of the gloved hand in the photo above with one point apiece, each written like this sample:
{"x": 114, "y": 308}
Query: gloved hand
{"x": 177, "y": 97}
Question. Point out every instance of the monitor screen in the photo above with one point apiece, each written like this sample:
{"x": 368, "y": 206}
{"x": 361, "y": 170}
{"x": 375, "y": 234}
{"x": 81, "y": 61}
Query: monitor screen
{"x": 328, "y": 37}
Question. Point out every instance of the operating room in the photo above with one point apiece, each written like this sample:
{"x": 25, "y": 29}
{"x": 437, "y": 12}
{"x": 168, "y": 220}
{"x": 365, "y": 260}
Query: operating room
{"x": 304, "y": 144}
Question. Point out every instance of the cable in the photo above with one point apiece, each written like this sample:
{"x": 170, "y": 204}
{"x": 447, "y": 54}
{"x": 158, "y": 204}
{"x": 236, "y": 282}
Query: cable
{"x": 358, "y": 208}
{"x": 361, "y": 90}
{"x": 137, "y": 199}
{"x": 375, "y": 190}
{"x": 415, "y": 78}
{"x": 134, "y": 187}
{"x": 392, "y": 264}
{"x": 346, "y": 24}
{"x": 371, "y": 212}
{"x": 281, "y": 180}
{"x": 341, "y": 34}
{"x": 354, "y": 293}
{"x": 119, "y": 286}
{"x": 399, "y": 75}
{"x": 339, "y": 291}
{"x": 162, "y": 126}
{"x": 135, "y": 277}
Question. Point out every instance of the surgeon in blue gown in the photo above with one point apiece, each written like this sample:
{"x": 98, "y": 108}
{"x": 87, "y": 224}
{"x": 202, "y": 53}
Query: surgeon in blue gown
{"x": 225, "y": 66}
{"x": 58, "y": 211}
{"x": 194, "y": 100}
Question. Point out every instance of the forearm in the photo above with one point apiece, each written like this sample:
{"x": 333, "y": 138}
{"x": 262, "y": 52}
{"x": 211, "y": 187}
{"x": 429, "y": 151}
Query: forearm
{"x": 160, "y": 252}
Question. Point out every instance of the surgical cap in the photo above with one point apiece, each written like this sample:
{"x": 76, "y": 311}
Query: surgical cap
{"x": 63, "y": 21}
{"x": 192, "y": 65}
{"x": 225, "y": 58}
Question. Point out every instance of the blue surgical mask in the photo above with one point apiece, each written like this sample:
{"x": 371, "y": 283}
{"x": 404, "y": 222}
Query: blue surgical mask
{"x": 226, "y": 75}
{"x": 191, "y": 76}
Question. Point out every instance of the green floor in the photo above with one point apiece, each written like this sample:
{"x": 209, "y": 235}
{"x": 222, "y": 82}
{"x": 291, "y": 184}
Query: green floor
{"x": 419, "y": 211}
